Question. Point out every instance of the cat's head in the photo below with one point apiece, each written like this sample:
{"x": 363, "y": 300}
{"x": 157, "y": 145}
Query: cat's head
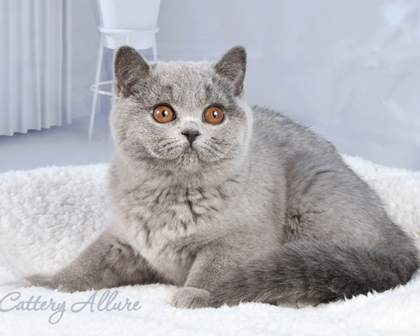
{"x": 182, "y": 118}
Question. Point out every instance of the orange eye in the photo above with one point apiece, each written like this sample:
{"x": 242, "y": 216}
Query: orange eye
{"x": 214, "y": 115}
{"x": 163, "y": 114}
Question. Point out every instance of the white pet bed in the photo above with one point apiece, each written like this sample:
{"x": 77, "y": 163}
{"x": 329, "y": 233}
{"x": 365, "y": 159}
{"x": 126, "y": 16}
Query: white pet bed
{"x": 49, "y": 214}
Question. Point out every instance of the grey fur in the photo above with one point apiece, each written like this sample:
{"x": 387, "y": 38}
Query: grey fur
{"x": 257, "y": 208}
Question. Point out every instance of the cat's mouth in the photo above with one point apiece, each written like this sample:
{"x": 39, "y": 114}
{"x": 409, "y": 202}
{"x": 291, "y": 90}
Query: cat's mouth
{"x": 201, "y": 152}
{"x": 190, "y": 147}
{"x": 194, "y": 152}
{"x": 191, "y": 151}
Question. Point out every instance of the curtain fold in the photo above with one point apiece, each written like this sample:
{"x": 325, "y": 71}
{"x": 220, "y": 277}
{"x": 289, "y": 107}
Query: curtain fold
{"x": 35, "y": 77}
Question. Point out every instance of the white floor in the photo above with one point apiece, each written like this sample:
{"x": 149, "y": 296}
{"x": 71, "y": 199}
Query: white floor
{"x": 61, "y": 146}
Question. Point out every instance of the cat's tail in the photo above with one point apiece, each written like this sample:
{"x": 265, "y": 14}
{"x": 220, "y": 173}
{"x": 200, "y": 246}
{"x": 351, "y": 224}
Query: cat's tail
{"x": 309, "y": 273}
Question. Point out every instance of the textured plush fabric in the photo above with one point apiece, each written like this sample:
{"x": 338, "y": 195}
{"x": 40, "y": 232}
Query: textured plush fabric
{"x": 48, "y": 215}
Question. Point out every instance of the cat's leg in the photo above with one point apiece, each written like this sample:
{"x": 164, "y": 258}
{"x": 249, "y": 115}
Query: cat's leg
{"x": 106, "y": 262}
{"x": 209, "y": 265}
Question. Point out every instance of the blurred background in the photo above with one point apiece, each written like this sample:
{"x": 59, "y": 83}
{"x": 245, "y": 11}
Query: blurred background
{"x": 349, "y": 69}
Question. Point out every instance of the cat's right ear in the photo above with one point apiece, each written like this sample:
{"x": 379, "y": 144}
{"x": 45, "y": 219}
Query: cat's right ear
{"x": 129, "y": 68}
{"x": 232, "y": 66}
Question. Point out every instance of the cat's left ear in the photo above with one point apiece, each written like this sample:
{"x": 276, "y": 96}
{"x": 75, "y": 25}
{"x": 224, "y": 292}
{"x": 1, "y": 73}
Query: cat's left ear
{"x": 129, "y": 68}
{"x": 232, "y": 66}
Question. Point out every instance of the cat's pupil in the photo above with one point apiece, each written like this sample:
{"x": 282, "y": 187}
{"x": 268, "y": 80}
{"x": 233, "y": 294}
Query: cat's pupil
{"x": 164, "y": 113}
{"x": 214, "y": 114}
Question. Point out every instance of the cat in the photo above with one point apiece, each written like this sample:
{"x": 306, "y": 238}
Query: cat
{"x": 230, "y": 203}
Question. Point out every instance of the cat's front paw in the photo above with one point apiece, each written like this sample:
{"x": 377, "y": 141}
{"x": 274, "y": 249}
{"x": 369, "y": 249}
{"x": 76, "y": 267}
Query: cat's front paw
{"x": 54, "y": 282}
{"x": 191, "y": 297}
{"x": 42, "y": 280}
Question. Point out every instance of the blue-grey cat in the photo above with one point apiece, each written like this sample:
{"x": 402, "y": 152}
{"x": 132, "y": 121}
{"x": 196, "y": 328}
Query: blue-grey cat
{"x": 230, "y": 203}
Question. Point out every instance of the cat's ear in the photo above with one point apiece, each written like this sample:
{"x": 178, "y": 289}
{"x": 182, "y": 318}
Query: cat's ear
{"x": 129, "y": 68}
{"x": 232, "y": 66}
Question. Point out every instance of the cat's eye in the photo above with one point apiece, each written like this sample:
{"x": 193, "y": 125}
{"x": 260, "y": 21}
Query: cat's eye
{"x": 213, "y": 115}
{"x": 163, "y": 114}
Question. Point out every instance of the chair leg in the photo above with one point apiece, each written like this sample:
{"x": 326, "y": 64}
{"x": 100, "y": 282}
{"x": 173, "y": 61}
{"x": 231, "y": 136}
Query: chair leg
{"x": 95, "y": 92}
{"x": 154, "y": 50}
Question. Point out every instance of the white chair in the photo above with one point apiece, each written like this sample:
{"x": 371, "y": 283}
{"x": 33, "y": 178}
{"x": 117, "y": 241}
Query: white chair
{"x": 113, "y": 39}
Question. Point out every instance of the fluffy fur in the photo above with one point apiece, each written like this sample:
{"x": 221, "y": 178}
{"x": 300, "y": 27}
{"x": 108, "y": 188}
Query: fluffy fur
{"x": 257, "y": 208}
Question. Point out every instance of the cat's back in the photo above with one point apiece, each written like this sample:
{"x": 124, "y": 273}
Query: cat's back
{"x": 309, "y": 179}
{"x": 300, "y": 157}
{"x": 281, "y": 142}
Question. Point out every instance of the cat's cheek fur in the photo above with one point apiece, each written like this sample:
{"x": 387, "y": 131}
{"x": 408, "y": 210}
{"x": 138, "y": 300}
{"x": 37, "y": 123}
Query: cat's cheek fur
{"x": 247, "y": 129}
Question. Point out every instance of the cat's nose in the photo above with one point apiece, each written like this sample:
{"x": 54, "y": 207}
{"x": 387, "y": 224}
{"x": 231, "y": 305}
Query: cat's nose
{"x": 191, "y": 134}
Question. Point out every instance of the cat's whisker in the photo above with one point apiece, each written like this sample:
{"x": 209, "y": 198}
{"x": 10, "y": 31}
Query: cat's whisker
{"x": 214, "y": 149}
{"x": 166, "y": 148}
{"x": 211, "y": 154}
{"x": 163, "y": 144}
{"x": 217, "y": 141}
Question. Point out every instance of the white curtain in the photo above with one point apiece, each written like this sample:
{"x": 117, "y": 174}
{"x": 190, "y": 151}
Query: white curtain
{"x": 35, "y": 81}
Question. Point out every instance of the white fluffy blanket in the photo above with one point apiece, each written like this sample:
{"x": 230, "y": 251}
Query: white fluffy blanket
{"x": 49, "y": 214}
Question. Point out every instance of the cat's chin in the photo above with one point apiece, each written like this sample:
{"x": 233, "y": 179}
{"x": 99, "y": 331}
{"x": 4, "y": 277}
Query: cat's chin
{"x": 190, "y": 160}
